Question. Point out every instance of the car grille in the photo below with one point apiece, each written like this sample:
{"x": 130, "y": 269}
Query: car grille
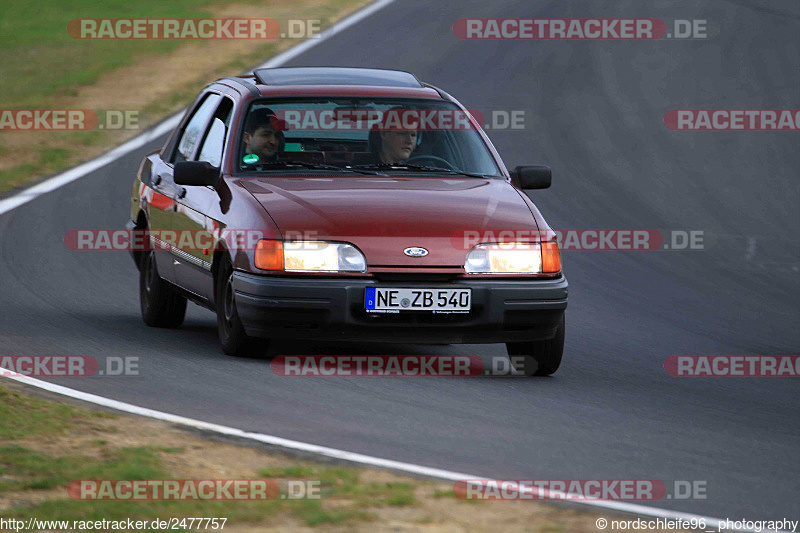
{"x": 417, "y": 278}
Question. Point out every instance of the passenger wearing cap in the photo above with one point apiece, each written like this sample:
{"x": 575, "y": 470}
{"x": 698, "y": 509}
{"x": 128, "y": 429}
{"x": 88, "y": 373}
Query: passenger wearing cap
{"x": 263, "y": 136}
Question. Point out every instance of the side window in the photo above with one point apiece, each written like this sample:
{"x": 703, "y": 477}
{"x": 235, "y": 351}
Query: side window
{"x": 212, "y": 146}
{"x": 214, "y": 142}
{"x": 194, "y": 128}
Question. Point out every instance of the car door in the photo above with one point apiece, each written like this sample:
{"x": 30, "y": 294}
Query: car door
{"x": 160, "y": 207}
{"x": 167, "y": 192}
{"x": 192, "y": 263}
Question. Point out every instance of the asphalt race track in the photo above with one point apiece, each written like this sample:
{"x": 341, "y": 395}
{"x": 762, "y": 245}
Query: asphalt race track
{"x": 594, "y": 112}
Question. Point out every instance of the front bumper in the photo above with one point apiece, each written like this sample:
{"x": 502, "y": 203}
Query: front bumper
{"x": 333, "y": 309}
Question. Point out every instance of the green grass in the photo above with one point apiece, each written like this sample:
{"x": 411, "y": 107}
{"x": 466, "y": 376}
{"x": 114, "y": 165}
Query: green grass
{"x": 38, "y": 58}
{"x": 400, "y": 494}
{"x": 22, "y": 416}
{"x": 294, "y": 471}
{"x": 43, "y": 161}
{"x": 40, "y": 62}
{"x": 23, "y": 470}
{"x": 313, "y": 514}
{"x": 345, "y": 482}
{"x": 348, "y": 500}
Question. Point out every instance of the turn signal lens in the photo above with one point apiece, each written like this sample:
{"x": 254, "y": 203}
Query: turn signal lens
{"x": 551, "y": 258}
{"x": 269, "y": 255}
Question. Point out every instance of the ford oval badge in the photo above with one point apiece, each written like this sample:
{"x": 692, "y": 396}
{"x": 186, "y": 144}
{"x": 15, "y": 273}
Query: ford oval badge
{"x": 415, "y": 251}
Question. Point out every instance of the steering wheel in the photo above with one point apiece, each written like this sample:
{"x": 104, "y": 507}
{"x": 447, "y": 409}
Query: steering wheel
{"x": 443, "y": 163}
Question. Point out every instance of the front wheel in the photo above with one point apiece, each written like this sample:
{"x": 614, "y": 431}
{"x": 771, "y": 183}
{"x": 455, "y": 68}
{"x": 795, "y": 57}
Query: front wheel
{"x": 232, "y": 336}
{"x": 161, "y": 305}
{"x": 539, "y": 358}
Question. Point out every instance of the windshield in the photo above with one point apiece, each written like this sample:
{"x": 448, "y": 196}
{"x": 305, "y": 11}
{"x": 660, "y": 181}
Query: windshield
{"x": 362, "y": 134}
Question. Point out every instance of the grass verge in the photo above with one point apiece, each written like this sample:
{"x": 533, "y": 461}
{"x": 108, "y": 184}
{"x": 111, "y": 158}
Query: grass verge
{"x": 42, "y": 67}
{"x": 45, "y": 444}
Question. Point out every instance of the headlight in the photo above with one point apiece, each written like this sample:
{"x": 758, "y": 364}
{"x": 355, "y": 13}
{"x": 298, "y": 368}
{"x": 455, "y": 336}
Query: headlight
{"x": 309, "y": 256}
{"x": 514, "y": 258}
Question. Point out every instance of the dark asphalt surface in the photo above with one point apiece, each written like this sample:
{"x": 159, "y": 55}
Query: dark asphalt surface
{"x": 594, "y": 112}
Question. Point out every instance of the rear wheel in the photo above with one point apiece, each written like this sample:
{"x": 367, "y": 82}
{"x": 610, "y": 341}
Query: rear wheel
{"x": 232, "y": 336}
{"x": 539, "y": 358}
{"x": 161, "y": 305}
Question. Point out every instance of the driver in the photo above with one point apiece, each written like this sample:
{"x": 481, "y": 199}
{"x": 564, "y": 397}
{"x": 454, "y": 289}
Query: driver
{"x": 263, "y": 136}
{"x": 393, "y": 146}
{"x": 397, "y": 146}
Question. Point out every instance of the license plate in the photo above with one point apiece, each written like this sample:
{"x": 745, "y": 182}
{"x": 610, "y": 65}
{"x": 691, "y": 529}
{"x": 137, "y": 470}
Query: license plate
{"x": 388, "y": 299}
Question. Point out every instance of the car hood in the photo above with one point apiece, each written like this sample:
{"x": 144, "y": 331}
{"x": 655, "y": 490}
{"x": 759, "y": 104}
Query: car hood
{"x": 385, "y": 216}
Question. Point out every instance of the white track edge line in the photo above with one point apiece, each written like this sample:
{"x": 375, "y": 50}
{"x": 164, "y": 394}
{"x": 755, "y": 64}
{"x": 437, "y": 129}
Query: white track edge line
{"x": 59, "y": 180}
{"x": 344, "y": 455}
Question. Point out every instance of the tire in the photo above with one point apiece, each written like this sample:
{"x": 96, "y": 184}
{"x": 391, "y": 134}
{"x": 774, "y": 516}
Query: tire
{"x": 540, "y": 358}
{"x": 232, "y": 336}
{"x": 161, "y": 305}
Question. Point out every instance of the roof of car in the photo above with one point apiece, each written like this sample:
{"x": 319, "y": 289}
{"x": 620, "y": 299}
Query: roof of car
{"x": 372, "y": 77}
{"x": 335, "y": 81}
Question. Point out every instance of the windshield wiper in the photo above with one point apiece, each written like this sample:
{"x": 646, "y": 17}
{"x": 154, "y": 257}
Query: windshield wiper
{"x": 423, "y": 168}
{"x": 315, "y": 166}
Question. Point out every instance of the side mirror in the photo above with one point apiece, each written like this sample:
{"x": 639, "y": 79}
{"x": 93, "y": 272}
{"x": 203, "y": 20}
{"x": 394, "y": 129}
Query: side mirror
{"x": 532, "y": 177}
{"x": 195, "y": 173}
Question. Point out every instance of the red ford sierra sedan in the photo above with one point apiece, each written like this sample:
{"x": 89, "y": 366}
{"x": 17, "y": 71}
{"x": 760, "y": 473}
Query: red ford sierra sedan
{"x": 335, "y": 203}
